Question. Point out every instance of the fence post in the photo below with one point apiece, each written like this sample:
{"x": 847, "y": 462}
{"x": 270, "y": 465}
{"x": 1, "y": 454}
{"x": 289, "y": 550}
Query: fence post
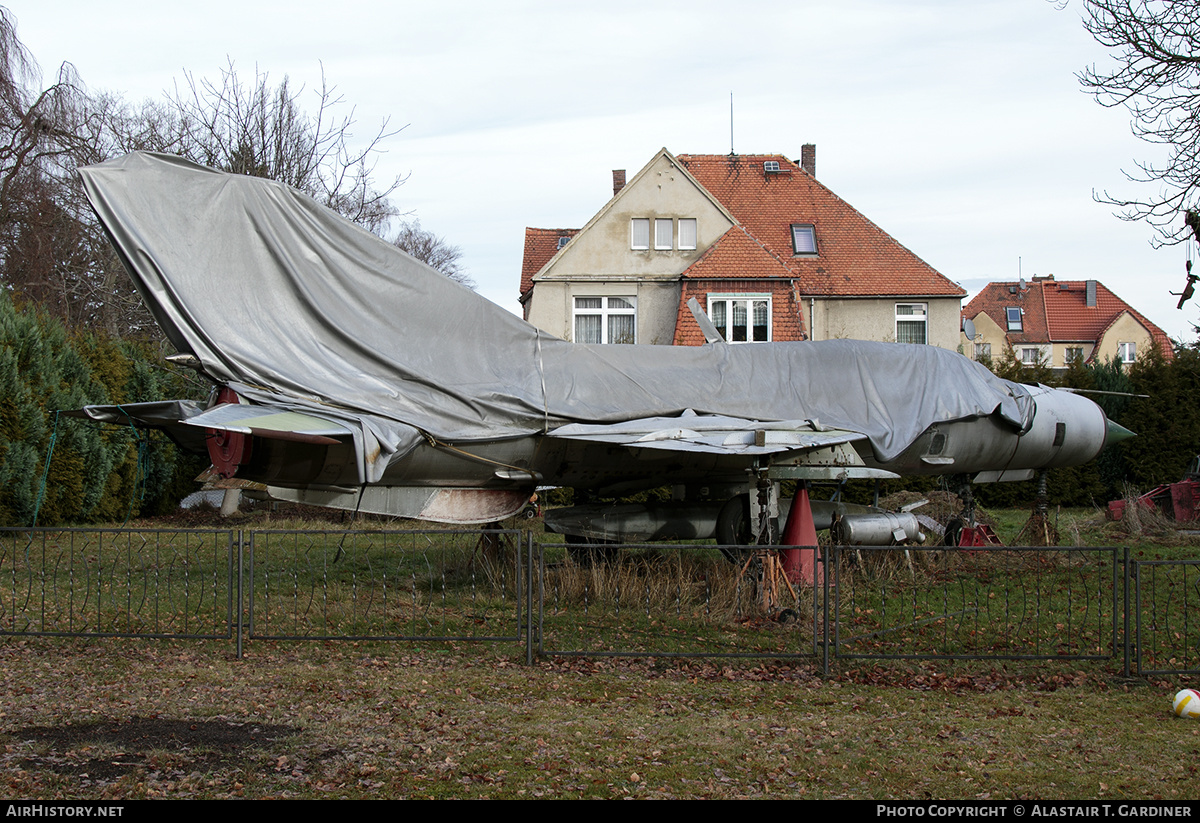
{"x": 239, "y": 612}
{"x": 826, "y": 583}
{"x": 1127, "y": 579}
{"x": 528, "y": 616}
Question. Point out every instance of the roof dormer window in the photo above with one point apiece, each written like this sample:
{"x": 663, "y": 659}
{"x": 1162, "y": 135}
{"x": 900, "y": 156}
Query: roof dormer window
{"x": 804, "y": 239}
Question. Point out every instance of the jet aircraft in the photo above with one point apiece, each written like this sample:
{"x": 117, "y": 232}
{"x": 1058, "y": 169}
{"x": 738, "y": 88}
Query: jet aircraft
{"x": 348, "y": 374}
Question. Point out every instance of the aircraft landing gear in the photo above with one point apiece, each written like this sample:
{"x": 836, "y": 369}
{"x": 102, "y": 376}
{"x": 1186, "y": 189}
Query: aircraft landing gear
{"x": 591, "y": 551}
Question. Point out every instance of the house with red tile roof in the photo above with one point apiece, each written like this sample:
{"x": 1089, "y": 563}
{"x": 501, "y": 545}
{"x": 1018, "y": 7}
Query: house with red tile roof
{"x": 768, "y": 251}
{"x": 1056, "y": 321}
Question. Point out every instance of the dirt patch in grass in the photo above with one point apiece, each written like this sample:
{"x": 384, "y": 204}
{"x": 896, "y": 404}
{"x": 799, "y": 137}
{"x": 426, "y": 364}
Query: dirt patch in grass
{"x": 137, "y": 742}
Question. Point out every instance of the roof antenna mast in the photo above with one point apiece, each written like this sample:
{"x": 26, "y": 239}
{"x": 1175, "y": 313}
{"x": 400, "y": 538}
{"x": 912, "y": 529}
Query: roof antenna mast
{"x": 731, "y": 124}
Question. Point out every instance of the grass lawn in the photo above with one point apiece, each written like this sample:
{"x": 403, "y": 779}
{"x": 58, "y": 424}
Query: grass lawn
{"x": 115, "y": 719}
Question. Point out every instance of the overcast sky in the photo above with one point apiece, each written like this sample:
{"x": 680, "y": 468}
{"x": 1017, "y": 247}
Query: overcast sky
{"x": 958, "y": 128}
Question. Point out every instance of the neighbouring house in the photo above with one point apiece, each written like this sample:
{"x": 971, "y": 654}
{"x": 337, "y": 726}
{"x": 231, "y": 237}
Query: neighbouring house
{"x": 768, "y": 251}
{"x": 1056, "y": 321}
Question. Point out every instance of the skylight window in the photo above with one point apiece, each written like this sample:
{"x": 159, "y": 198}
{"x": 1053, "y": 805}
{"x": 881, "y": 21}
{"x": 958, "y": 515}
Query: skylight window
{"x": 804, "y": 239}
{"x": 1014, "y": 318}
{"x": 771, "y": 166}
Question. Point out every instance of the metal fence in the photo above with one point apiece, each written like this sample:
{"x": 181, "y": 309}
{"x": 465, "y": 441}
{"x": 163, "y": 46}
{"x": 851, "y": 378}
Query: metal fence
{"x": 149, "y": 583}
{"x": 502, "y": 587}
{"x": 671, "y": 601}
{"x": 393, "y": 585}
{"x": 1165, "y": 637}
{"x": 265, "y": 584}
{"x": 987, "y": 603}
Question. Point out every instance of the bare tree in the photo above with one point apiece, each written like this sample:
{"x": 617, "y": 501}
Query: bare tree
{"x": 433, "y": 250}
{"x": 46, "y": 254}
{"x": 52, "y": 249}
{"x": 36, "y": 125}
{"x": 1157, "y": 78}
{"x": 262, "y": 130}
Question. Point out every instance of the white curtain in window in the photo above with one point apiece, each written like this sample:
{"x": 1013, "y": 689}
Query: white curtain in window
{"x": 717, "y": 315}
{"x": 663, "y": 234}
{"x": 739, "y": 321}
{"x": 687, "y": 233}
{"x": 640, "y": 233}
{"x": 620, "y": 328}
{"x": 587, "y": 328}
{"x": 909, "y": 331}
{"x": 761, "y": 321}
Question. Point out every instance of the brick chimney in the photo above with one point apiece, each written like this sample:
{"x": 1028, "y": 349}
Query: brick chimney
{"x": 808, "y": 158}
{"x": 618, "y": 180}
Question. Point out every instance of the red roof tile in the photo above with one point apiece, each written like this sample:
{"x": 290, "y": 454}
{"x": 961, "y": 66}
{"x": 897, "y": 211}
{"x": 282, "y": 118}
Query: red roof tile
{"x": 738, "y": 253}
{"x": 540, "y": 246}
{"x": 855, "y": 257}
{"x": 1060, "y": 311}
{"x": 739, "y": 263}
{"x": 997, "y": 297}
{"x": 787, "y": 313}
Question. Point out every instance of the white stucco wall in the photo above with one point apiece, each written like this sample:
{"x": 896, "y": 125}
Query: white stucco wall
{"x": 599, "y": 261}
{"x": 657, "y": 303}
{"x": 875, "y": 319}
{"x": 1126, "y": 329}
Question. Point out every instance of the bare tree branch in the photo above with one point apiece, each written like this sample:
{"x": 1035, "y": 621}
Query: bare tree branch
{"x": 1157, "y": 78}
{"x": 53, "y": 250}
{"x": 262, "y": 130}
{"x": 433, "y": 250}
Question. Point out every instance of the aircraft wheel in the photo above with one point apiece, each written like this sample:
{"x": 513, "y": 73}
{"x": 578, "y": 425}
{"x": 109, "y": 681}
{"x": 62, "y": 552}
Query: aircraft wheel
{"x": 733, "y": 527}
{"x": 586, "y": 551}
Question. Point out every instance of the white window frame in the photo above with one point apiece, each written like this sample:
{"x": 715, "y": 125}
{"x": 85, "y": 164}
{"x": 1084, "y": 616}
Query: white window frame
{"x": 983, "y": 350}
{"x": 639, "y": 233}
{"x": 1072, "y": 354}
{"x": 916, "y": 314}
{"x": 664, "y": 234}
{"x": 1127, "y": 352}
{"x": 608, "y": 309}
{"x": 1031, "y": 355}
{"x": 746, "y": 302}
{"x": 687, "y": 233}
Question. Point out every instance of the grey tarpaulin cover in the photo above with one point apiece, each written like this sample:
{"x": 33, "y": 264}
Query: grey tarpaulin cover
{"x": 291, "y": 304}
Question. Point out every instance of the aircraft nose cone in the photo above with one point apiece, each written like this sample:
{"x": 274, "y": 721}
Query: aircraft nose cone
{"x": 1116, "y": 433}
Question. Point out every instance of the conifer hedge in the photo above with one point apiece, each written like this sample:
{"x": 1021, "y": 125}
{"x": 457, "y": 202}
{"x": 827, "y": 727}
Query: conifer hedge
{"x": 96, "y": 474}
